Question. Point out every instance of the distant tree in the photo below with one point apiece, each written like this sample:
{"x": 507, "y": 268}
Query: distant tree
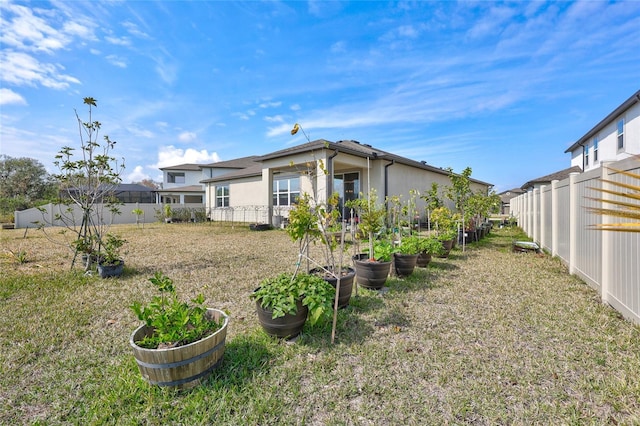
{"x": 24, "y": 183}
{"x": 149, "y": 183}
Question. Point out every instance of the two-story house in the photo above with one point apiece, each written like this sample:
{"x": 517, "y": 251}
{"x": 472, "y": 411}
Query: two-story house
{"x": 614, "y": 138}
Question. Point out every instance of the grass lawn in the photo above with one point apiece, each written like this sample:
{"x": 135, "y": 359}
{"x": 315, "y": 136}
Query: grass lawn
{"x": 484, "y": 337}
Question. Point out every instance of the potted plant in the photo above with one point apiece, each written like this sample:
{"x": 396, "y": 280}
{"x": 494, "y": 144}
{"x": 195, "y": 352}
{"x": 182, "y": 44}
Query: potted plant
{"x": 179, "y": 343}
{"x": 285, "y": 302}
{"x": 405, "y": 255}
{"x": 138, "y": 212}
{"x": 168, "y": 213}
{"x": 429, "y": 246}
{"x": 373, "y": 266}
{"x": 110, "y": 262}
{"x": 318, "y": 223}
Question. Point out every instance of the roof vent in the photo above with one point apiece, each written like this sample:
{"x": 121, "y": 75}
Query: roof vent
{"x": 424, "y": 162}
{"x": 366, "y": 144}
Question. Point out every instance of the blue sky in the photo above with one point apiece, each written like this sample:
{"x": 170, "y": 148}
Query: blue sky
{"x": 503, "y": 88}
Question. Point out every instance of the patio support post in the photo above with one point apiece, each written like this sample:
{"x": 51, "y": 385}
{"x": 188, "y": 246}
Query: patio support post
{"x": 267, "y": 181}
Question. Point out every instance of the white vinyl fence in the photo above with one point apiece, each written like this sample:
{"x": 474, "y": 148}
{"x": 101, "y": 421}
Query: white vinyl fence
{"x": 30, "y": 217}
{"x": 555, "y": 216}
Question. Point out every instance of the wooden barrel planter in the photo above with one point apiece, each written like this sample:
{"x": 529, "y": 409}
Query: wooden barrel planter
{"x": 346, "y": 284}
{"x": 182, "y": 367}
{"x": 370, "y": 274}
{"x": 287, "y": 326}
{"x": 404, "y": 264}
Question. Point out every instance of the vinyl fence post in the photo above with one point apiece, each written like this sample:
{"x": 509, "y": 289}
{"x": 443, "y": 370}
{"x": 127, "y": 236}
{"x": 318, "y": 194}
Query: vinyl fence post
{"x": 543, "y": 216}
{"x": 554, "y": 218}
{"x": 573, "y": 223}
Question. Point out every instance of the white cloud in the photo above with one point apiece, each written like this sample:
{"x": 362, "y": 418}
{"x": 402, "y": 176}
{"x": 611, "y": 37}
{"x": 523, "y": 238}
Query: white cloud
{"x": 32, "y": 29}
{"x": 172, "y": 156}
{"x": 338, "y": 47}
{"x": 117, "y": 61}
{"x": 134, "y": 30}
{"x": 118, "y": 41}
{"x": 295, "y": 107}
{"x": 407, "y": 31}
{"x": 8, "y": 96}
{"x": 187, "y": 136}
{"x": 274, "y": 119}
{"x": 23, "y": 69}
{"x": 136, "y": 175}
{"x": 141, "y": 133}
{"x": 270, "y": 104}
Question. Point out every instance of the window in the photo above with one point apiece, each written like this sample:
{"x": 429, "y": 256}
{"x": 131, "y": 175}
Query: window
{"x": 175, "y": 178}
{"x": 347, "y": 185}
{"x": 621, "y": 133}
{"x": 286, "y": 191}
{"x": 586, "y": 155}
{"x": 222, "y": 196}
{"x": 595, "y": 149}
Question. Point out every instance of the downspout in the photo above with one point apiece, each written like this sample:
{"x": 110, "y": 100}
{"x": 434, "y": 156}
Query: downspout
{"x": 386, "y": 183}
{"x": 330, "y": 173}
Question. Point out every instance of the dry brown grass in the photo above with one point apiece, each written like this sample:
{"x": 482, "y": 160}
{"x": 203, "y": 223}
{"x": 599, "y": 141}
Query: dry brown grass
{"x": 485, "y": 337}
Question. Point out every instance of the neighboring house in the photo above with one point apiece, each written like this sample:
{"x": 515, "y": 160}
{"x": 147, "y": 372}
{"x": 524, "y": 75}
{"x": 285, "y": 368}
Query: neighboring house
{"x": 124, "y": 192}
{"x": 546, "y": 180}
{"x": 505, "y": 199}
{"x": 267, "y": 186}
{"x": 181, "y": 184}
{"x": 614, "y": 138}
{"x": 135, "y": 193}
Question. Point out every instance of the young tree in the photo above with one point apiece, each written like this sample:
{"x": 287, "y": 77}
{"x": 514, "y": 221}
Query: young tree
{"x": 460, "y": 191}
{"x": 432, "y": 200}
{"x": 87, "y": 182}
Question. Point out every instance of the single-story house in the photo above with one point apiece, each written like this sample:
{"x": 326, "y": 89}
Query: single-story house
{"x": 265, "y": 189}
{"x": 505, "y": 199}
{"x": 547, "y": 179}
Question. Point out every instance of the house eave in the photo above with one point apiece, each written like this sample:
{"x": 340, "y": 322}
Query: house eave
{"x": 635, "y": 98}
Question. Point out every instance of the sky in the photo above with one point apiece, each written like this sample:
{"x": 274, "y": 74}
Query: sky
{"x": 503, "y": 88}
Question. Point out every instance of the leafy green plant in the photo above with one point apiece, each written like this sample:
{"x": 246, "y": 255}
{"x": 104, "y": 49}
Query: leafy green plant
{"x": 280, "y": 295}
{"x": 18, "y": 256}
{"x": 138, "y": 212}
{"x": 370, "y": 216}
{"x": 111, "y": 248}
{"x": 174, "y": 323}
{"x": 382, "y": 251}
{"x": 430, "y": 245}
{"x": 167, "y": 211}
{"x": 409, "y": 245}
